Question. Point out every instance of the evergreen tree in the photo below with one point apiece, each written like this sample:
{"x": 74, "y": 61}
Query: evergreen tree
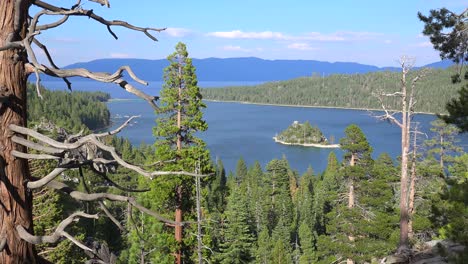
{"x": 264, "y": 247}
{"x": 238, "y": 240}
{"x": 241, "y": 171}
{"x": 457, "y": 211}
{"x": 345, "y": 222}
{"x": 447, "y": 33}
{"x": 442, "y": 144}
{"x": 180, "y": 109}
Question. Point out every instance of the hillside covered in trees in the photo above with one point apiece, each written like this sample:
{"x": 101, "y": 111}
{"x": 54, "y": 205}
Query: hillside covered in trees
{"x": 343, "y": 90}
{"x": 69, "y": 110}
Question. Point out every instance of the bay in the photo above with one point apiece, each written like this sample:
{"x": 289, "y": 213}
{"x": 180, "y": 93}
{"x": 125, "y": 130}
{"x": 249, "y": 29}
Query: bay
{"x": 245, "y": 130}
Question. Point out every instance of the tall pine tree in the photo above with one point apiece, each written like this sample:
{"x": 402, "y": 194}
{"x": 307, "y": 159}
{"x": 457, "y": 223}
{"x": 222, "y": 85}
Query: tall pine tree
{"x": 180, "y": 110}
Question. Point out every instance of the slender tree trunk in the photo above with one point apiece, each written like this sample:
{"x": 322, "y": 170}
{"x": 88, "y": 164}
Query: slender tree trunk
{"x": 179, "y": 194}
{"x": 351, "y": 200}
{"x": 199, "y": 219}
{"x": 403, "y": 244}
{"x": 411, "y": 210}
{"x": 15, "y": 200}
{"x": 442, "y": 152}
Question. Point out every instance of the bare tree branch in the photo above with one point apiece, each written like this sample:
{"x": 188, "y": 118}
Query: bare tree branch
{"x": 89, "y": 13}
{"x": 111, "y": 217}
{"x": 45, "y": 180}
{"x": 30, "y": 156}
{"x": 105, "y": 177}
{"x": 51, "y": 61}
{"x": 102, "y": 2}
{"x": 93, "y": 139}
{"x": 388, "y": 115}
{"x": 112, "y": 197}
{"x": 101, "y": 203}
{"x": 58, "y": 233}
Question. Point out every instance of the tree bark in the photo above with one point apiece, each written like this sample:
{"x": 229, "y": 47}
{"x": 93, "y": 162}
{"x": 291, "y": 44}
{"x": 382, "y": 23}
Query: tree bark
{"x": 412, "y": 189}
{"x": 403, "y": 243}
{"x": 15, "y": 200}
{"x": 352, "y": 162}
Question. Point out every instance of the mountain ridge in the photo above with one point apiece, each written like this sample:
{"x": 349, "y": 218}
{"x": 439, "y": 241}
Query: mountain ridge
{"x": 239, "y": 69}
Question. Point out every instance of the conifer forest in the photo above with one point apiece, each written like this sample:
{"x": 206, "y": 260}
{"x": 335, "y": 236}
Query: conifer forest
{"x": 73, "y": 191}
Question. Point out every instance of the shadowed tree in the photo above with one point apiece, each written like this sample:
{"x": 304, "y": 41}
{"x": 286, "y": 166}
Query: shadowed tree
{"x": 448, "y": 33}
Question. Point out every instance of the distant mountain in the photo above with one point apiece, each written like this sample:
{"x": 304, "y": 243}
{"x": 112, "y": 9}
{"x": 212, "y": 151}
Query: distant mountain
{"x": 240, "y": 69}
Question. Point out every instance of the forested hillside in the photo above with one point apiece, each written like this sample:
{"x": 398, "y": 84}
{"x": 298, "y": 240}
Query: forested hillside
{"x": 343, "y": 90}
{"x": 71, "y": 111}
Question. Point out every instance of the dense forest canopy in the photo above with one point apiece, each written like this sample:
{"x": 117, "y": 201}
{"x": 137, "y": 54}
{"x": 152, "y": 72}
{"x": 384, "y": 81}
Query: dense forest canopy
{"x": 67, "y": 110}
{"x": 342, "y": 90}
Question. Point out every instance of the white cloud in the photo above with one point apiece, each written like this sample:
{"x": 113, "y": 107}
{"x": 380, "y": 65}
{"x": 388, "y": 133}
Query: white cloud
{"x": 177, "y": 32}
{"x": 235, "y": 48}
{"x": 312, "y": 36}
{"x": 319, "y": 37}
{"x": 301, "y": 46}
{"x": 120, "y": 55}
{"x": 238, "y": 34}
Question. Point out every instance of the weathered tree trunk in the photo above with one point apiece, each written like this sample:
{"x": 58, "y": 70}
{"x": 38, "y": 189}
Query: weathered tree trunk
{"x": 15, "y": 200}
{"x": 412, "y": 190}
{"x": 199, "y": 221}
{"x": 351, "y": 201}
{"x": 403, "y": 244}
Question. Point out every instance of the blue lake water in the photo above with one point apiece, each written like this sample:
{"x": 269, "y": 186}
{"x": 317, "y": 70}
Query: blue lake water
{"x": 245, "y": 130}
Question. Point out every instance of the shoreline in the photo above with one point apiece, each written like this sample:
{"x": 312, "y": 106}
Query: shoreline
{"x": 309, "y": 106}
{"x": 307, "y": 144}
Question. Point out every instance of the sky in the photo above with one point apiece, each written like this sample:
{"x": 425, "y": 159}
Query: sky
{"x": 365, "y": 31}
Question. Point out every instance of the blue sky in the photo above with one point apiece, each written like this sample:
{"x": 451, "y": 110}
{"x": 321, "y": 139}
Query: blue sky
{"x": 370, "y": 32}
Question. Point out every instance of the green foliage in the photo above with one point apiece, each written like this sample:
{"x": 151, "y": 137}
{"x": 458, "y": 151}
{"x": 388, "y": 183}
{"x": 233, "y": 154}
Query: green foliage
{"x": 355, "y": 145}
{"x": 71, "y": 111}
{"x": 238, "y": 239}
{"x": 302, "y": 134}
{"x": 457, "y": 211}
{"x": 342, "y": 90}
{"x": 451, "y": 45}
{"x": 447, "y": 33}
{"x": 442, "y": 145}
{"x": 178, "y": 149}
{"x": 457, "y": 109}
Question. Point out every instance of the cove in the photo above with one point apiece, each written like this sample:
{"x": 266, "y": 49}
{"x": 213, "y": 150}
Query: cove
{"x": 245, "y": 130}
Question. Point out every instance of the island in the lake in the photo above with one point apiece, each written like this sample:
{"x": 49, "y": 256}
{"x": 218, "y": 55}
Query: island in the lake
{"x": 304, "y": 135}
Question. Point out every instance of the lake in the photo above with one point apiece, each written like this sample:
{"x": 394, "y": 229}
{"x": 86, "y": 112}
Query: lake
{"x": 246, "y": 130}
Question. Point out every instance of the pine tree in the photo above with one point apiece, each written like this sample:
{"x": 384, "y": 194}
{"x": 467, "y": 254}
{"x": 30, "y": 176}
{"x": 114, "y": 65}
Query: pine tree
{"x": 447, "y": 33}
{"x": 443, "y": 141}
{"x": 238, "y": 240}
{"x": 181, "y": 115}
{"x": 241, "y": 171}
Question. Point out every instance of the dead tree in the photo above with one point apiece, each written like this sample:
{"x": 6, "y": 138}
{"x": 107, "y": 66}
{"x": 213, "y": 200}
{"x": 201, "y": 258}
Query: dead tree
{"x": 413, "y": 179}
{"x": 18, "y": 31}
{"x": 408, "y": 101}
